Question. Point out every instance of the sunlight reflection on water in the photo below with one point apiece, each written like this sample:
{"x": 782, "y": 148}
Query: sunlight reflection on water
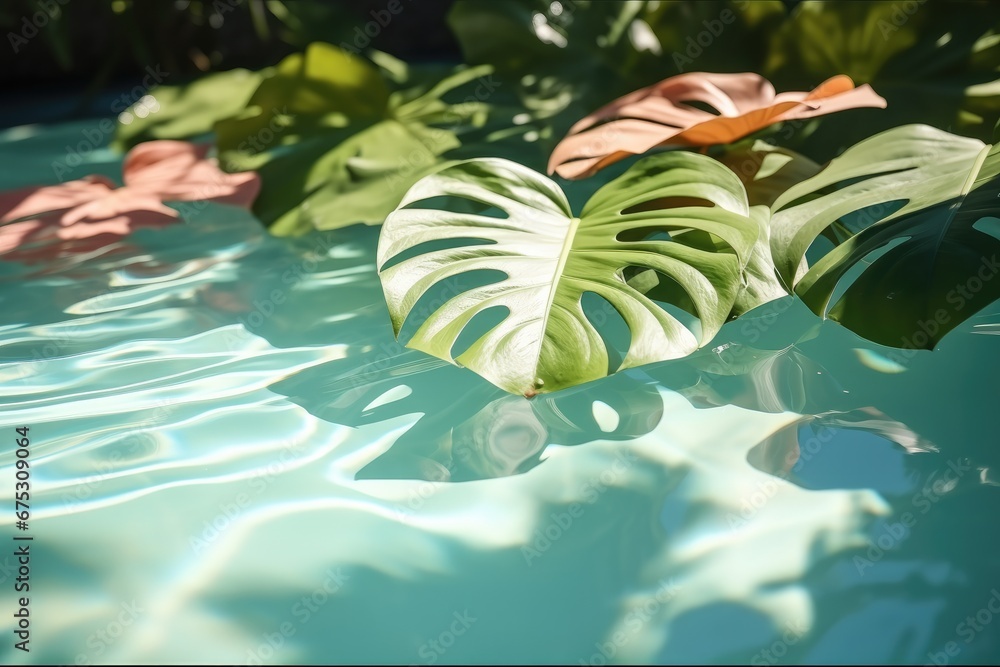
{"x": 236, "y": 445}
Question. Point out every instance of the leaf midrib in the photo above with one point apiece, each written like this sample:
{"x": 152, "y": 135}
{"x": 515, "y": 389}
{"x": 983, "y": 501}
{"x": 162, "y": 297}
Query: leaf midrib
{"x": 574, "y": 225}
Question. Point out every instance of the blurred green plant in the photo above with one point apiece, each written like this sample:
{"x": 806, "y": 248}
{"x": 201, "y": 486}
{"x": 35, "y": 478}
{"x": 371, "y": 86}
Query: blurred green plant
{"x": 933, "y": 63}
{"x": 336, "y": 139}
{"x": 347, "y": 146}
{"x": 189, "y": 111}
{"x": 183, "y": 37}
{"x": 566, "y": 58}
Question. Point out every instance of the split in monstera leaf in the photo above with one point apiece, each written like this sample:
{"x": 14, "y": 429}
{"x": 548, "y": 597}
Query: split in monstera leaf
{"x": 918, "y": 208}
{"x": 911, "y": 205}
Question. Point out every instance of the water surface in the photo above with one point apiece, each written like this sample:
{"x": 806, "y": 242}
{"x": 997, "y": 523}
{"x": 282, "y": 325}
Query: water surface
{"x": 234, "y": 461}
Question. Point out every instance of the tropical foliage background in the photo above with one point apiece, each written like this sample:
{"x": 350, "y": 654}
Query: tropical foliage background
{"x": 846, "y": 159}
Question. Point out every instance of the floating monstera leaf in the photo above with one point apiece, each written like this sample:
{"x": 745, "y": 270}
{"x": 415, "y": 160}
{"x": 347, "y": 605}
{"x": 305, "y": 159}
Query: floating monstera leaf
{"x": 922, "y": 206}
{"x": 550, "y": 259}
{"x": 664, "y": 114}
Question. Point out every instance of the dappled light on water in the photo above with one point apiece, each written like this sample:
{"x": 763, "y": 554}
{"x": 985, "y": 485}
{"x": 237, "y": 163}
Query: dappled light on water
{"x": 238, "y": 406}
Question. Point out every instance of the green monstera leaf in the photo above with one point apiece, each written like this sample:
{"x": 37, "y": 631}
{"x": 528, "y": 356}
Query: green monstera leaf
{"x": 551, "y": 258}
{"x": 919, "y": 205}
{"x": 766, "y": 171}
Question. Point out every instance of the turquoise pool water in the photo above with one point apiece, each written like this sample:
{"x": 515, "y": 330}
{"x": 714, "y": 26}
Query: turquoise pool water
{"x": 234, "y": 461}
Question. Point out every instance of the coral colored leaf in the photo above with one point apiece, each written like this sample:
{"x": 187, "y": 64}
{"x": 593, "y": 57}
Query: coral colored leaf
{"x": 31, "y": 202}
{"x": 178, "y": 171}
{"x": 662, "y": 115}
{"x": 92, "y": 209}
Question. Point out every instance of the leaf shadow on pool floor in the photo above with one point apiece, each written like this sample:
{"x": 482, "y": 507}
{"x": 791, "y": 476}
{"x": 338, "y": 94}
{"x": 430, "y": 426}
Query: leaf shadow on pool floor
{"x": 468, "y": 429}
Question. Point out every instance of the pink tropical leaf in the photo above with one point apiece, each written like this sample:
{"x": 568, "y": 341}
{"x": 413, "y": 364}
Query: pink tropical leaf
{"x": 662, "y": 115}
{"x": 178, "y": 171}
{"x": 35, "y": 201}
{"x": 93, "y": 209}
